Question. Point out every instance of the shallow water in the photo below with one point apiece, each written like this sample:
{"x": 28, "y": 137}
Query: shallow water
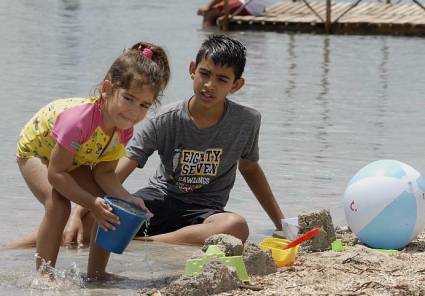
{"x": 330, "y": 105}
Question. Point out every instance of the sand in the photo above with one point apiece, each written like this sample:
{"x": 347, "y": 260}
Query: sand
{"x": 356, "y": 271}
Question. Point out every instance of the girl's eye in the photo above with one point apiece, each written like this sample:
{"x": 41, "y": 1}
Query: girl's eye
{"x": 128, "y": 99}
{"x": 145, "y": 106}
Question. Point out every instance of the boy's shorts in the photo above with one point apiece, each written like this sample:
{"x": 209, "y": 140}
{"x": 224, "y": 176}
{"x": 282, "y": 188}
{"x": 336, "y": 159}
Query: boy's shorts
{"x": 234, "y": 5}
{"x": 170, "y": 213}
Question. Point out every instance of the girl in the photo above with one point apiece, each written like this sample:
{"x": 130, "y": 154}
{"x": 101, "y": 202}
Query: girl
{"x": 69, "y": 150}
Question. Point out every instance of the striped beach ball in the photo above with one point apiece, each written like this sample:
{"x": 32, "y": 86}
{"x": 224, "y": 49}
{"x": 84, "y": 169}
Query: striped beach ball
{"x": 384, "y": 204}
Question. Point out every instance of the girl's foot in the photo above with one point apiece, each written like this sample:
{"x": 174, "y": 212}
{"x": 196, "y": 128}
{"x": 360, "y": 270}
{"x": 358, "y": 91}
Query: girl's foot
{"x": 104, "y": 276}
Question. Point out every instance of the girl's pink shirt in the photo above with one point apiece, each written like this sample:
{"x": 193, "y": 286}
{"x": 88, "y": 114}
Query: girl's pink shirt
{"x": 76, "y": 126}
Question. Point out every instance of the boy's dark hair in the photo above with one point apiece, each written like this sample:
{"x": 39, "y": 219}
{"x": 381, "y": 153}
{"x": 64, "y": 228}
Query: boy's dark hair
{"x": 224, "y": 51}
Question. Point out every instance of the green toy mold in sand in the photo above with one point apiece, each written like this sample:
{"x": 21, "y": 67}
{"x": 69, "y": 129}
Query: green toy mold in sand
{"x": 214, "y": 252}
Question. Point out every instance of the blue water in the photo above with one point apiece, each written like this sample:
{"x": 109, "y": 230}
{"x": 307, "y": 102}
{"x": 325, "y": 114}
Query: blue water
{"x": 330, "y": 105}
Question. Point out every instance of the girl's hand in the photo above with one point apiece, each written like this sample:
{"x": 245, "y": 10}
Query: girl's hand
{"x": 103, "y": 215}
{"x": 141, "y": 204}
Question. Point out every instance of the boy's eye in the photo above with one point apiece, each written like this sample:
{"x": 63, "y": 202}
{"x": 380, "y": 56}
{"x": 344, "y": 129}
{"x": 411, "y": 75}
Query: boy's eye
{"x": 128, "y": 99}
{"x": 146, "y": 106}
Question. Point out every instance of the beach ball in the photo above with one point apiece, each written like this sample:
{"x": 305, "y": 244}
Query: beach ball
{"x": 384, "y": 204}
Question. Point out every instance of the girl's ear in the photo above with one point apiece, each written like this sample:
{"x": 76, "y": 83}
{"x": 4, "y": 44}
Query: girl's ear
{"x": 106, "y": 88}
{"x": 192, "y": 69}
{"x": 237, "y": 85}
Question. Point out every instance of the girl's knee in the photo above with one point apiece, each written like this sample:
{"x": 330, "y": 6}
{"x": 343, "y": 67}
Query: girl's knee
{"x": 58, "y": 206}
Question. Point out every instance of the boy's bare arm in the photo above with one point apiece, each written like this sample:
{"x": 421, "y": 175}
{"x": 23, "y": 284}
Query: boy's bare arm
{"x": 257, "y": 182}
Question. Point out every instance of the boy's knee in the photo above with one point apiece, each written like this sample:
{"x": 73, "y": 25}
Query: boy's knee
{"x": 237, "y": 226}
{"x": 242, "y": 228}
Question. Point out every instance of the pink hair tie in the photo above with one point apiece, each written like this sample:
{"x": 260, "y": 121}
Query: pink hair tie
{"x": 147, "y": 53}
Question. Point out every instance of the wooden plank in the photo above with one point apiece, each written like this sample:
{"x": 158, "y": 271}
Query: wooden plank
{"x": 276, "y": 10}
{"x": 273, "y": 6}
{"x": 296, "y": 6}
{"x": 379, "y": 9}
{"x": 339, "y": 9}
{"x": 373, "y": 6}
{"x": 359, "y": 19}
{"x": 391, "y": 11}
{"x": 361, "y": 8}
{"x": 405, "y": 9}
{"x": 301, "y": 9}
{"x": 249, "y": 18}
{"x": 283, "y": 8}
{"x": 403, "y": 20}
{"x": 297, "y": 18}
{"x": 414, "y": 20}
{"x": 413, "y": 9}
{"x": 288, "y": 18}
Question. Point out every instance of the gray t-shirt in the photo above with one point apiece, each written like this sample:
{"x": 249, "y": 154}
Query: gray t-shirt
{"x": 197, "y": 165}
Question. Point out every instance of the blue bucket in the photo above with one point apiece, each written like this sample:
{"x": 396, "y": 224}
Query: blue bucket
{"x": 131, "y": 219}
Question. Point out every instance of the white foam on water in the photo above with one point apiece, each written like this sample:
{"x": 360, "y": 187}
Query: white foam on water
{"x": 48, "y": 278}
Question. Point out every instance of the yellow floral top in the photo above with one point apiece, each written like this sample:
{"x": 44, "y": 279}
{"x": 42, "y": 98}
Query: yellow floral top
{"x": 77, "y": 125}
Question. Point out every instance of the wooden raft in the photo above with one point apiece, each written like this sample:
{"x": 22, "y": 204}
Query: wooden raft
{"x": 404, "y": 18}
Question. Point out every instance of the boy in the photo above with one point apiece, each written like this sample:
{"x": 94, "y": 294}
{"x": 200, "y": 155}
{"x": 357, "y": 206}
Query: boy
{"x": 201, "y": 141}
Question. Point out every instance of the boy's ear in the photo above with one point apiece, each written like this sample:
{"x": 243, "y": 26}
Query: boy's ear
{"x": 106, "y": 88}
{"x": 192, "y": 69}
{"x": 237, "y": 85}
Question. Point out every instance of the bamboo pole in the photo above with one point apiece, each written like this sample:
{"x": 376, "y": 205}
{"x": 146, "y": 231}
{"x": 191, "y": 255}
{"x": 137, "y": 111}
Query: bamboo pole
{"x": 225, "y": 26}
{"x": 328, "y": 16}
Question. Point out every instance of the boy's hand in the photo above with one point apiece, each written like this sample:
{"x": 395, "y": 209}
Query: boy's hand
{"x": 103, "y": 215}
{"x": 141, "y": 204}
{"x": 279, "y": 234}
{"x": 73, "y": 230}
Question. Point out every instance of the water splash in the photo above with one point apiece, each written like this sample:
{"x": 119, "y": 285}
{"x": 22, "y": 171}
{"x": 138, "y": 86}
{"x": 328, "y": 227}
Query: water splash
{"x": 50, "y": 278}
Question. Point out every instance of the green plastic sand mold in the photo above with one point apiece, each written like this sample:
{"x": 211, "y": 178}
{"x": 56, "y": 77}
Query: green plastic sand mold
{"x": 338, "y": 246}
{"x": 214, "y": 252}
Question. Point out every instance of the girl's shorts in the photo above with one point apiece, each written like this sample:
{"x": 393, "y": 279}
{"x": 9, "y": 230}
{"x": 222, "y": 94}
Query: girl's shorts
{"x": 170, "y": 213}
